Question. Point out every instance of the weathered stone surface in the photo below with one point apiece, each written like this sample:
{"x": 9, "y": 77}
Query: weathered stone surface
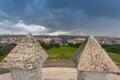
{"x": 91, "y": 76}
{"x": 92, "y": 57}
{"x": 31, "y": 74}
{"x": 97, "y": 76}
{"x": 111, "y": 76}
{"x": 28, "y": 54}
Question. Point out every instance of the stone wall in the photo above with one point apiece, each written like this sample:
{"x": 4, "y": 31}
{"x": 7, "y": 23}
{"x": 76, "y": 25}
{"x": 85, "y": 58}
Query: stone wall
{"x": 96, "y": 76}
{"x": 20, "y": 74}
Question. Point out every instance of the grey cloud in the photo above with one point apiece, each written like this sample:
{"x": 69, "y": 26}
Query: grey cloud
{"x": 10, "y": 27}
{"x": 88, "y": 16}
{"x": 110, "y": 8}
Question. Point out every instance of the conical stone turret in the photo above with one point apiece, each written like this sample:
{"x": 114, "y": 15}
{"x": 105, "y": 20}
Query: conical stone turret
{"x": 28, "y": 54}
{"x": 92, "y": 57}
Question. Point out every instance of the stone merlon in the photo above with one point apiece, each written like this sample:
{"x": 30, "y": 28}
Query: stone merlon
{"x": 92, "y": 57}
{"x": 28, "y": 54}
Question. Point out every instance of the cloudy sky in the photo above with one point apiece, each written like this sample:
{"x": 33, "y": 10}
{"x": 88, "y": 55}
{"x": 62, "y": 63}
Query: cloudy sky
{"x": 54, "y": 17}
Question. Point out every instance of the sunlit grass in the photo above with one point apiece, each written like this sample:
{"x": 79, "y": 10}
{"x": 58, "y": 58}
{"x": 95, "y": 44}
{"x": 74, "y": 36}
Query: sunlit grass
{"x": 115, "y": 57}
{"x": 2, "y": 57}
{"x": 61, "y": 53}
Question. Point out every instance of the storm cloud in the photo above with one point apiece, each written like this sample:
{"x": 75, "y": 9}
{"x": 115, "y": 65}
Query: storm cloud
{"x": 81, "y": 17}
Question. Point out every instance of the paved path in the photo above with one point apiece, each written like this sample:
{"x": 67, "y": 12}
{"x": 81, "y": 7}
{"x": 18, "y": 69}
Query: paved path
{"x": 52, "y": 73}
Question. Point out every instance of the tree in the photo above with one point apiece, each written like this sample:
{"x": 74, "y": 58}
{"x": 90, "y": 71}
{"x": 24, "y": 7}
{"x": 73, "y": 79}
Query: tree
{"x": 6, "y": 49}
{"x": 76, "y": 45}
{"x": 112, "y": 47}
{"x": 45, "y": 46}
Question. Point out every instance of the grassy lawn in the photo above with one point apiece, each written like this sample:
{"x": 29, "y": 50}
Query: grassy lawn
{"x": 2, "y": 57}
{"x": 68, "y": 52}
{"x": 115, "y": 57}
{"x": 61, "y": 53}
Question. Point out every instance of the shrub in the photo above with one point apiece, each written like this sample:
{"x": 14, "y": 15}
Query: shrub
{"x": 77, "y": 45}
{"x": 48, "y": 46}
{"x": 6, "y": 49}
{"x": 112, "y": 47}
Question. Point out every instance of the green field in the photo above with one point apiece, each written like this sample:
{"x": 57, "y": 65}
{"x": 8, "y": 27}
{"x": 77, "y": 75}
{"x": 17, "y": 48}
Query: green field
{"x": 61, "y": 53}
{"x": 2, "y": 57}
{"x": 115, "y": 57}
{"x": 68, "y": 52}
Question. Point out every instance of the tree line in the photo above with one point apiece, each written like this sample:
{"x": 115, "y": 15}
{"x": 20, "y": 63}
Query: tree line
{"x": 112, "y": 47}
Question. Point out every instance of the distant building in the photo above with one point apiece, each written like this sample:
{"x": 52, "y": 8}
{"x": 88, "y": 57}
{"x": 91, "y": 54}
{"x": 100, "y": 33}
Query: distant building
{"x": 116, "y": 41}
{"x": 76, "y": 40}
